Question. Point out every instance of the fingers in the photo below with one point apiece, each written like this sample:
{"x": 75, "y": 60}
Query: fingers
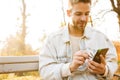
{"x": 93, "y": 65}
{"x": 82, "y": 54}
{"x": 80, "y": 57}
{"x": 96, "y": 68}
{"x": 78, "y": 60}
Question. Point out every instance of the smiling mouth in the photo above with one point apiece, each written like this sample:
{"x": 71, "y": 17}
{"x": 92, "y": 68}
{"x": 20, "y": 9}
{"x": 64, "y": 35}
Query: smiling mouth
{"x": 82, "y": 24}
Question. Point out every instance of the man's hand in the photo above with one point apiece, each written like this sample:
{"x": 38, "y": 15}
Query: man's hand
{"x": 78, "y": 60}
{"x": 97, "y": 68}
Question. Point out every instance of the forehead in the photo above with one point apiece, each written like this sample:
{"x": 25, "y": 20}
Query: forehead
{"x": 82, "y": 7}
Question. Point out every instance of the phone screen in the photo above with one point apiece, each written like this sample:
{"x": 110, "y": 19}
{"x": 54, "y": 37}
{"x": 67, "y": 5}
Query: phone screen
{"x": 98, "y": 53}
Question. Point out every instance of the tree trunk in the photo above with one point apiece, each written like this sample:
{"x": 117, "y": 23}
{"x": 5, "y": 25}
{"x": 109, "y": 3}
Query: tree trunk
{"x": 23, "y": 33}
{"x": 116, "y": 9}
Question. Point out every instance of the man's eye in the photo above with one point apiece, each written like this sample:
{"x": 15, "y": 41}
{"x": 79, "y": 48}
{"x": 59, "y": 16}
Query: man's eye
{"x": 87, "y": 14}
{"x": 78, "y": 14}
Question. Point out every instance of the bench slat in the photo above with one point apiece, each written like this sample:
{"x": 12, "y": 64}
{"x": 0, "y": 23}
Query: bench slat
{"x": 10, "y": 64}
{"x": 17, "y": 59}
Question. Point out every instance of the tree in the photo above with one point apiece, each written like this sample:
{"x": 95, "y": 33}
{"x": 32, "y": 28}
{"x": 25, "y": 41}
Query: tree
{"x": 15, "y": 44}
{"x": 63, "y": 12}
{"x": 23, "y": 27}
{"x": 116, "y": 9}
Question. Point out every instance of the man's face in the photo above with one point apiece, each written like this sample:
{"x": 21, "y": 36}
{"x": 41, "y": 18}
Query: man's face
{"x": 79, "y": 15}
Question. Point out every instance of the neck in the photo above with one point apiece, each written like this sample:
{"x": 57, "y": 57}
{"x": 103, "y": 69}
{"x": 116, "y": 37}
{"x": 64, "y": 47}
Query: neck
{"x": 75, "y": 32}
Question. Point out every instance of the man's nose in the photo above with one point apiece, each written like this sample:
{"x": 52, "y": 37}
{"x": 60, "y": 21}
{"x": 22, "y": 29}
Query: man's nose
{"x": 83, "y": 18}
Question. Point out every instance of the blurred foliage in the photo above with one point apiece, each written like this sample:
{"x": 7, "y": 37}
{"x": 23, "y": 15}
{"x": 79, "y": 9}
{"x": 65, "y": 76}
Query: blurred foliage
{"x": 24, "y": 78}
{"x": 117, "y": 46}
{"x": 33, "y": 75}
{"x": 3, "y": 76}
{"x": 12, "y": 47}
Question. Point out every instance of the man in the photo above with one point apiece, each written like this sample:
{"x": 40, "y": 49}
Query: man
{"x": 68, "y": 53}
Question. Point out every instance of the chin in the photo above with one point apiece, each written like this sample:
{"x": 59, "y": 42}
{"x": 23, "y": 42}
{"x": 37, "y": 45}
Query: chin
{"x": 81, "y": 28}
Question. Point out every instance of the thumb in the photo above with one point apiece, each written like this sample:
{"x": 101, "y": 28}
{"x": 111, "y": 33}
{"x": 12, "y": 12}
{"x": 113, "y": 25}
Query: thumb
{"x": 102, "y": 59}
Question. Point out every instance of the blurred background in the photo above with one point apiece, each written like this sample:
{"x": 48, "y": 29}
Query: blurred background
{"x": 24, "y": 25}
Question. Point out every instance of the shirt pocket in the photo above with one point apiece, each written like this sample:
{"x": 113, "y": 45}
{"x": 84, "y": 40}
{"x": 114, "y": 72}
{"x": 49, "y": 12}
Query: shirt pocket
{"x": 64, "y": 54}
{"x": 63, "y": 59}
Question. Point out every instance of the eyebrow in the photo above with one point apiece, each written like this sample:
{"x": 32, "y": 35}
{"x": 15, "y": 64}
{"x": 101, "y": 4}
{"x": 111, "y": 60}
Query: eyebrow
{"x": 81, "y": 12}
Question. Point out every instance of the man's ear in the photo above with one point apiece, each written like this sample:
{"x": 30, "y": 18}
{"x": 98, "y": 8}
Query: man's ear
{"x": 68, "y": 13}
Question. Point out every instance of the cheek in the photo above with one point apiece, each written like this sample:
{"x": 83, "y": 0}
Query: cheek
{"x": 87, "y": 18}
{"x": 75, "y": 19}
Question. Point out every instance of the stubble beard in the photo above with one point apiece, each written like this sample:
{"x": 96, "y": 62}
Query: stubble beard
{"x": 79, "y": 27}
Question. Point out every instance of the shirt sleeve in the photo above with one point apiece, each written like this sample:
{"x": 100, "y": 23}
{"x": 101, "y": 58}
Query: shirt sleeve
{"x": 111, "y": 61}
{"x": 49, "y": 68}
{"x": 66, "y": 70}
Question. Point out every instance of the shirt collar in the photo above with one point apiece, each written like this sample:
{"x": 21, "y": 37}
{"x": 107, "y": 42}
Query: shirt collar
{"x": 66, "y": 34}
{"x": 87, "y": 33}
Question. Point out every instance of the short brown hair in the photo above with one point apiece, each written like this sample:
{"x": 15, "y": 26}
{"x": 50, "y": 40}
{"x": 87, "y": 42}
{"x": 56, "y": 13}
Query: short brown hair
{"x": 76, "y": 1}
{"x": 72, "y": 2}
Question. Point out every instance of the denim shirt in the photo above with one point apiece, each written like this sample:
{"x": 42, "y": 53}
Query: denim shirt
{"x": 56, "y": 56}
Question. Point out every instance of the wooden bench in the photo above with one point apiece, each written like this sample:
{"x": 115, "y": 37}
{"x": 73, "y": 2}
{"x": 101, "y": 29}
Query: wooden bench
{"x": 10, "y": 64}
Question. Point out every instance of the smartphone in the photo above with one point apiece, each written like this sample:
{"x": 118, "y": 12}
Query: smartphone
{"x": 98, "y": 53}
